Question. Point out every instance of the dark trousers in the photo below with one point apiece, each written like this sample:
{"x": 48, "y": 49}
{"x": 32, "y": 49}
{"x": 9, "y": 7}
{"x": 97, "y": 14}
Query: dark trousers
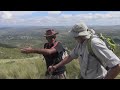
{"x": 59, "y": 76}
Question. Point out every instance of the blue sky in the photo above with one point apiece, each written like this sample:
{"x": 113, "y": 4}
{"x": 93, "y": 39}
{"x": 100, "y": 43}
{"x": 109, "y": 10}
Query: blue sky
{"x": 59, "y": 18}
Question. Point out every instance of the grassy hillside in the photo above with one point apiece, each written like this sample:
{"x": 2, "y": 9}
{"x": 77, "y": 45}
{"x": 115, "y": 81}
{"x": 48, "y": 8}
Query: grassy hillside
{"x": 15, "y": 65}
{"x": 32, "y": 68}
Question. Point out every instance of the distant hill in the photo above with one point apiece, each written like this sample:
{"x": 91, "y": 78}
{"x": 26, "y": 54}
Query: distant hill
{"x": 7, "y": 46}
{"x": 33, "y": 35}
{"x": 110, "y": 28}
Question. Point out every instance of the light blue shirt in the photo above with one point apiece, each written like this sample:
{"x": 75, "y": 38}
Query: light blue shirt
{"x": 90, "y": 67}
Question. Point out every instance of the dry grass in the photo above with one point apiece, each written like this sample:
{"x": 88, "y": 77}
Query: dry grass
{"x": 31, "y": 68}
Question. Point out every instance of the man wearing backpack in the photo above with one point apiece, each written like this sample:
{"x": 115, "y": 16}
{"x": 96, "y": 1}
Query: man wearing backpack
{"x": 52, "y": 52}
{"x": 91, "y": 66}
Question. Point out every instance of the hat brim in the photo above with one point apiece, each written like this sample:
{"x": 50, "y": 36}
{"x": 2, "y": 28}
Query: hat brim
{"x": 50, "y": 35}
{"x": 84, "y": 33}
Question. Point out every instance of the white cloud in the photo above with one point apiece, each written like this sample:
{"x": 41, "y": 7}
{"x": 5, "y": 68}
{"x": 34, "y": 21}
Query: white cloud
{"x": 56, "y": 18}
{"x": 54, "y": 12}
{"x": 5, "y": 15}
{"x": 22, "y": 13}
{"x": 66, "y": 15}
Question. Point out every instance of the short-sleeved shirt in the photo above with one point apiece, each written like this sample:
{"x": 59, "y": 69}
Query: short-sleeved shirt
{"x": 55, "y": 57}
{"x": 90, "y": 67}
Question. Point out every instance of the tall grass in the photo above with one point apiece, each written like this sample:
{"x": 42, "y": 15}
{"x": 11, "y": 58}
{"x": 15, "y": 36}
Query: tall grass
{"x": 13, "y": 53}
{"x": 33, "y": 68}
{"x": 117, "y": 51}
{"x": 73, "y": 70}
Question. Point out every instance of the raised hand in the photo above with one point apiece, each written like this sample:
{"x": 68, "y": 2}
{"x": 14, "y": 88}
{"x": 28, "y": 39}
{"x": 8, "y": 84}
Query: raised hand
{"x": 27, "y": 50}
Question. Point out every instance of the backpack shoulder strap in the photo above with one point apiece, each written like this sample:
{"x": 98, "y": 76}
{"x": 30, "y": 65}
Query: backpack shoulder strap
{"x": 89, "y": 47}
{"x": 55, "y": 44}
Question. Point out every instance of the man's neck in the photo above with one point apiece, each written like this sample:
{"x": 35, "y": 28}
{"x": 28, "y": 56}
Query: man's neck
{"x": 52, "y": 42}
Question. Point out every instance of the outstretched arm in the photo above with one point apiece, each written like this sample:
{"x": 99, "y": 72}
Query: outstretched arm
{"x": 39, "y": 51}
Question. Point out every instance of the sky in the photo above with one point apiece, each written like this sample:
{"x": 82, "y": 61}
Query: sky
{"x": 58, "y": 18}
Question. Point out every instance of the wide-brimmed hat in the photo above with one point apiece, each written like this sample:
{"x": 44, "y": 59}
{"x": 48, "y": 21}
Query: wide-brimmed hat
{"x": 80, "y": 29}
{"x": 50, "y": 32}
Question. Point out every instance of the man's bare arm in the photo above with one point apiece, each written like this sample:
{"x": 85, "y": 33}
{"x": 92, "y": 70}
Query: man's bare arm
{"x": 65, "y": 61}
{"x": 113, "y": 72}
{"x": 62, "y": 63}
{"x": 39, "y": 51}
